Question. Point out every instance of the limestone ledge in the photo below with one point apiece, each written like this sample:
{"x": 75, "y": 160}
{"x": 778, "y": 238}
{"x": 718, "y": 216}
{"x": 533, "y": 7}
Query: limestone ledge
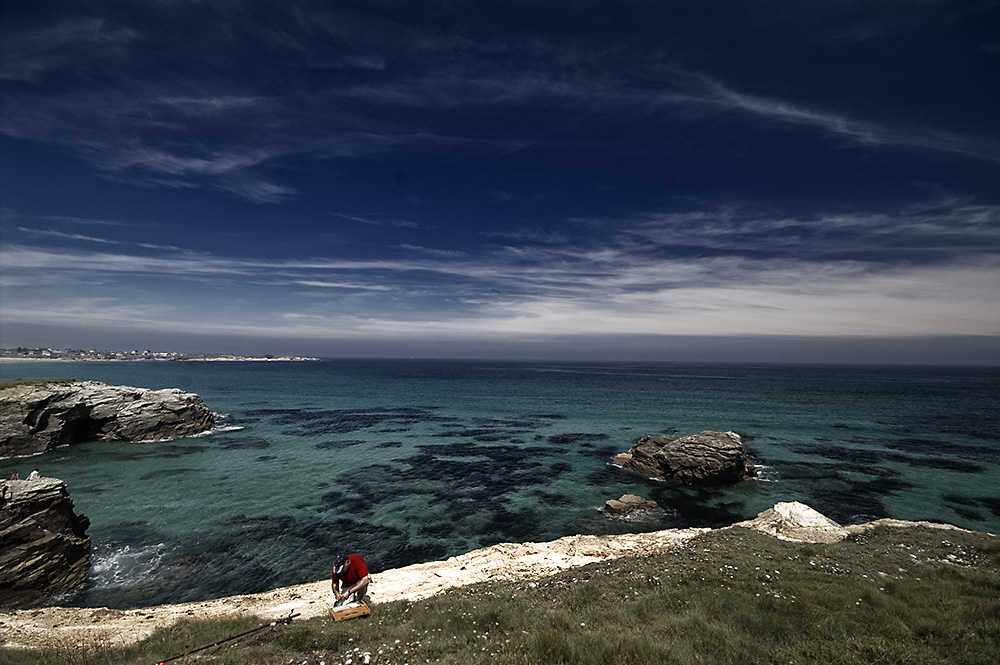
{"x": 67, "y": 627}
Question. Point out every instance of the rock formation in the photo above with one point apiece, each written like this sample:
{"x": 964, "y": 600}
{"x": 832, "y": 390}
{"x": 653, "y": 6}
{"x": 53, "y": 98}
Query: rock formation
{"x": 510, "y": 562}
{"x": 708, "y": 458}
{"x": 44, "y": 550}
{"x": 630, "y": 506}
{"x": 796, "y": 522}
{"x": 37, "y": 417}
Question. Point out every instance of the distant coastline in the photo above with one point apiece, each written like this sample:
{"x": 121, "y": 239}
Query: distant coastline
{"x": 21, "y": 353}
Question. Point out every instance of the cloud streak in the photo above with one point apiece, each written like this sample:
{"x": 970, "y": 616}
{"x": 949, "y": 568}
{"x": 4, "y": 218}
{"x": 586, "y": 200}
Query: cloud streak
{"x": 171, "y": 133}
{"x": 636, "y": 281}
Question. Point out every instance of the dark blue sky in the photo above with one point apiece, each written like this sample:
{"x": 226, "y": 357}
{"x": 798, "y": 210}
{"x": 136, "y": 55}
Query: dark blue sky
{"x": 643, "y": 180}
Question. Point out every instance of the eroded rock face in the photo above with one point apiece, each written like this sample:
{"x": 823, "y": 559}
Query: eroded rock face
{"x": 44, "y": 549}
{"x": 37, "y": 418}
{"x": 707, "y": 458}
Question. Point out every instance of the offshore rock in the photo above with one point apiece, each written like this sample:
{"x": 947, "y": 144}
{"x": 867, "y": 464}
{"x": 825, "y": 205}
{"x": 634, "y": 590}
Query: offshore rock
{"x": 44, "y": 549}
{"x": 630, "y": 507}
{"x": 38, "y": 417}
{"x": 707, "y": 458}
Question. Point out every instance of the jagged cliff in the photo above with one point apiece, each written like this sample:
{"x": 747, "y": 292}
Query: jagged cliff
{"x": 40, "y": 416}
{"x": 44, "y": 549}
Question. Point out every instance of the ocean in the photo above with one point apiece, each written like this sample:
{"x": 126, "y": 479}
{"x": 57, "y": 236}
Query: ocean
{"x": 409, "y": 461}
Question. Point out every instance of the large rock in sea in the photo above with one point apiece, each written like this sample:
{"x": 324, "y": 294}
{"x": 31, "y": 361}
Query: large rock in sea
{"x": 44, "y": 549}
{"x": 39, "y": 416}
{"x": 707, "y": 458}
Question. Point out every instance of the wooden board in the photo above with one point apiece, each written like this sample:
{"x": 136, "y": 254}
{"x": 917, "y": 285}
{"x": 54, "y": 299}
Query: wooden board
{"x": 349, "y": 611}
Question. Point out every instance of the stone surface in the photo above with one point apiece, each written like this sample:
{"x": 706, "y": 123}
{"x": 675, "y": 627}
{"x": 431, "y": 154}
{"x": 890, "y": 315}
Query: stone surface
{"x": 630, "y": 506}
{"x": 37, "y": 418}
{"x": 513, "y": 562}
{"x": 706, "y": 458}
{"x": 796, "y": 522}
{"x": 44, "y": 549}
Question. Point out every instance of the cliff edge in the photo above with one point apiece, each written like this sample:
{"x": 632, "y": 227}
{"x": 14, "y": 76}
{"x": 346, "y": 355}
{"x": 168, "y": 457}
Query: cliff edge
{"x": 512, "y": 562}
{"x": 44, "y": 549}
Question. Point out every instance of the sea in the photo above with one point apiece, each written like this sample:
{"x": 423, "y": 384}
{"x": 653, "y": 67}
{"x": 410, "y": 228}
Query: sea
{"x": 405, "y": 461}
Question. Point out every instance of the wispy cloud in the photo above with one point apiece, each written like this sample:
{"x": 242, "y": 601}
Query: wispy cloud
{"x": 858, "y": 131}
{"x": 736, "y": 272}
{"x": 206, "y": 129}
{"x": 379, "y": 220}
{"x": 29, "y": 54}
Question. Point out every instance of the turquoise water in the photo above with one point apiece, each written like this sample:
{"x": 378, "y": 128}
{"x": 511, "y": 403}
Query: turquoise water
{"x": 408, "y": 461}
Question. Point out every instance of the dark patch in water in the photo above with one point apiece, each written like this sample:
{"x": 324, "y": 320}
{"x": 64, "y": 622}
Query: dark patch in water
{"x": 266, "y": 458}
{"x": 243, "y": 442}
{"x": 576, "y": 437}
{"x": 166, "y": 473}
{"x": 551, "y": 498}
{"x": 992, "y": 503}
{"x": 389, "y": 444}
{"x": 968, "y": 513}
{"x": 967, "y": 504}
{"x": 335, "y": 445}
{"x": 304, "y": 422}
{"x": 512, "y": 526}
{"x": 940, "y": 463}
{"x": 943, "y": 449}
{"x": 842, "y": 500}
{"x": 609, "y": 476}
{"x": 341, "y": 502}
{"x": 695, "y": 506}
{"x": 856, "y": 457}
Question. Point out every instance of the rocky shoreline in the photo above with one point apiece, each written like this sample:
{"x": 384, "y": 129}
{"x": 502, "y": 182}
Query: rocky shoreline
{"x": 67, "y": 627}
{"x": 39, "y": 415}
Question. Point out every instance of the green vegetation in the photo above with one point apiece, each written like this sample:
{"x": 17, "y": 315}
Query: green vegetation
{"x": 911, "y": 595}
{"x": 11, "y": 383}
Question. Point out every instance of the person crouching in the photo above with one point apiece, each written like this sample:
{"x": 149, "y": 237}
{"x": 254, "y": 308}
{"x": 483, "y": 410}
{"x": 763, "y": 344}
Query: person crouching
{"x": 350, "y": 578}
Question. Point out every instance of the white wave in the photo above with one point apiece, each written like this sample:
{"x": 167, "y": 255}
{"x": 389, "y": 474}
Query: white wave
{"x": 126, "y": 565}
{"x": 223, "y": 428}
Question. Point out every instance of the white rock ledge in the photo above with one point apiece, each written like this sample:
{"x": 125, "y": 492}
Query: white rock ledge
{"x": 67, "y": 626}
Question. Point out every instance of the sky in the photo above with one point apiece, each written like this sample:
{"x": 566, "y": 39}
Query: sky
{"x": 679, "y": 181}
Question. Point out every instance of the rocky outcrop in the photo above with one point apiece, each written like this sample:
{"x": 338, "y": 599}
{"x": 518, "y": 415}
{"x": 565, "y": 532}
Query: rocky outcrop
{"x": 708, "y": 458}
{"x": 796, "y": 522}
{"x": 44, "y": 549}
{"x": 506, "y": 562}
{"x": 630, "y": 507}
{"x": 38, "y": 417}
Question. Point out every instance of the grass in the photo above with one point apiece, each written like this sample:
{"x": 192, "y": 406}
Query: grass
{"x": 11, "y": 383}
{"x": 909, "y": 596}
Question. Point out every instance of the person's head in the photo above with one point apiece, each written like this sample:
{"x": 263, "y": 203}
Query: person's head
{"x": 341, "y": 563}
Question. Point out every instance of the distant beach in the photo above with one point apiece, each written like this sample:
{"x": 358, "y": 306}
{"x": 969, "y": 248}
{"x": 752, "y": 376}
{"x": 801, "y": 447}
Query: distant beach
{"x": 75, "y": 355}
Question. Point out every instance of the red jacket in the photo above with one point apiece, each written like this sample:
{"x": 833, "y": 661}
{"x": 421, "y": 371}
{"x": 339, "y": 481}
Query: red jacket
{"x": 358, "y": 570}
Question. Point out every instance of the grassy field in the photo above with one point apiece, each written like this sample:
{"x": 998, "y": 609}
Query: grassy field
{"x": 911, "y": 596}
